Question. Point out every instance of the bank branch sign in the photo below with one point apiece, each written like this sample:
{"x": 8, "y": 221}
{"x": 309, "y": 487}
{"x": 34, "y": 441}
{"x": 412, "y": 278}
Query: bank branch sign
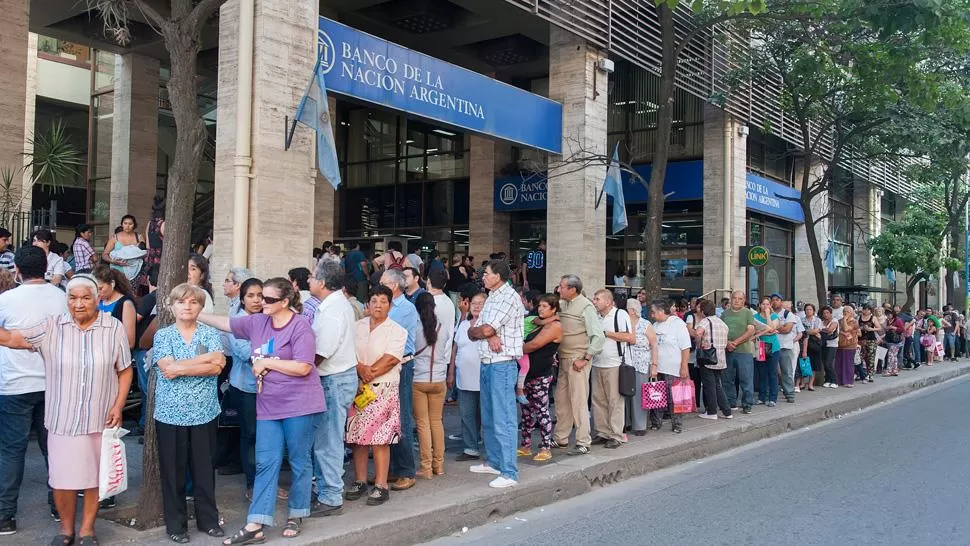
{"x": 369, "y": 68}
{"x": 754, "y": 256}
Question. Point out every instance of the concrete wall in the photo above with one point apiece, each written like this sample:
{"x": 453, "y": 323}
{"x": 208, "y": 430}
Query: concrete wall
{"x": 488, "y": 230}
{"x": 14, "y": 49}
{"x": 576, "y": 240}
{"x": 63, "y": 82}
{"x": 805, "y": 281}
{"x": 134, "y": 139}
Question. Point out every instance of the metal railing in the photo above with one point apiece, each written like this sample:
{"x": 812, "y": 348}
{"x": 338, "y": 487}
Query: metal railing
{"x": 22, "y": 223}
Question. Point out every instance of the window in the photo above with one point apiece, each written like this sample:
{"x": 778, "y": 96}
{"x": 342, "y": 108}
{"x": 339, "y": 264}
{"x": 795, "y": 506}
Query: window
{"x": 841, "y": 227}
{"x": 770, "y": 156}
{"x": 777, "y": 274}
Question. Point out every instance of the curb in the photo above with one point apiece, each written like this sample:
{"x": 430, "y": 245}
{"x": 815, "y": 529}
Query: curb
{"x": 447, "y": 513}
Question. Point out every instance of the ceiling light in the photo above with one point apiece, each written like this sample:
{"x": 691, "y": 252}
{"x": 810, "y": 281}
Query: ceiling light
{"x": 443, "y": 132}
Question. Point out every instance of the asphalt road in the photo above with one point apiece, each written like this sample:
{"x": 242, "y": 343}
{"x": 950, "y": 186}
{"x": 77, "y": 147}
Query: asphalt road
{"x": 896, "y": 473}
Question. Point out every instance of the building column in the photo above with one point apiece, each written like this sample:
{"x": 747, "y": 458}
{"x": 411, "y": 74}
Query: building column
{"x": 488, "y": 230}
{"x": 14, "y": 54}
{"x": 282, "y": 191}
{"x": 863, "y": 210}
{"x": 806, "y": 287}
{"x": 134, "y": 139}
{"x": 576, "y": 231}
{"x": 725, "y": 205}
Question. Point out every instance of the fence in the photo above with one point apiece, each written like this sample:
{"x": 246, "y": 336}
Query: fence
{"x": 22, "y": 223}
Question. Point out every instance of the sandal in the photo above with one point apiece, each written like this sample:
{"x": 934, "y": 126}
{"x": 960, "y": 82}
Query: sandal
{"x": 293, "y": 527}
{"x": 62, "y": 540}
{"x": 243, "y": 536}
{"x": 89, "y": 541}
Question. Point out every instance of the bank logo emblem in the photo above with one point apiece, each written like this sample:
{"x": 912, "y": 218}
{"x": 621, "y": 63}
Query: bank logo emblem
{"x": 508, "y": 194}
{"x": 326, "y": 51}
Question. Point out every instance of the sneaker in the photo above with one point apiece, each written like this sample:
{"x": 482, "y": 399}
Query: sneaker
{"x": 833, "y": 386}
{"x": 355, "y": 491}
{"x": 761, "y": 402}
{"x": 746, "y": 410}
{"x": 578, "y": 450}
{"x": 543, "y": 456}
{"x": 729, "y": 416}
{"x": 599, "y": 440}
{"x": 524, "y": 452}
{"x": 502, "y": 482}
{"x": 318, "y": 509}
{"x": 455, "y": 437}
{"x": 798, "y": 389}
{"x": 708, "y": 416}
{"x": 612, "y": 444}
{"x": 483, "y": 469}
{"x": 770, "y": 404}
{"x": 55, "y": 515}
{"x": 557, "y": 445}
{"x": 110, "y": 503}
{"x": 8, "y": 526}
{"x": 462, "y": 457}
{"x": 378, "y": 496}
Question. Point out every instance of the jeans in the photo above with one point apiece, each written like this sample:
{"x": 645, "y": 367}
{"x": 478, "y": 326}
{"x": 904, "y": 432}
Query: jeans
{"x": 499, "y": 416}
{"x": 339, "y": 390}
{"x": 296, "y": 435}
{"x": 470, "y": 407}
{"x": 19, "y": 413}
{"x": 949, "y": 345}
{"x": 402, "y": 453}
{"x": 142, "y": 374}
{"x": 786, "y": 361}
{"x": 714, "y": 396}
{"x": 739, "y": 373}
{"x": 917, "y": 351}
{"x": 768, "y": 377}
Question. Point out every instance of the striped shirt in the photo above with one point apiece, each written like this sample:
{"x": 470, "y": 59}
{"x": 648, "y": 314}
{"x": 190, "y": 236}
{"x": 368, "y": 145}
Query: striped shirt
{"x": 82, "y": 371}
{"x": 6, "y": 261}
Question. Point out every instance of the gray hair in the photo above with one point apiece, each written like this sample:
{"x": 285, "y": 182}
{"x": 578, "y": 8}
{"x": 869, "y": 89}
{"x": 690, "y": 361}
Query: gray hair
{"x": 83, "y": 280}
{"x": 573, "y": 281}
{"x": 396, "y": 277}
{"x": 331, "y": 275}
{"x": 240, "y": 275}
{"x": 633, "y": 304}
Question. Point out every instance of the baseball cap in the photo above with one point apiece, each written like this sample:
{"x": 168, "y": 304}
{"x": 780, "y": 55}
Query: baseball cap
{"x": 777, "y": 295}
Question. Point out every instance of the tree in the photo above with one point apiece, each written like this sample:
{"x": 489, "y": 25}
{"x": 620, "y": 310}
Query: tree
{"x": 180, "y": 24}
{"x": 912, "y": 245}
{"x": 848, "y": 77}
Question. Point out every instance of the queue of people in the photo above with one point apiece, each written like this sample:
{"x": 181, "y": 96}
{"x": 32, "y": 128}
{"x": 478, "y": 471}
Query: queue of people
{"x": 306, "y": 384}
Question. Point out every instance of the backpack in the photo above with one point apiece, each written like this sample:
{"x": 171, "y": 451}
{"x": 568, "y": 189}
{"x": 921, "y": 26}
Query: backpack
{"x": 397, "y": 263}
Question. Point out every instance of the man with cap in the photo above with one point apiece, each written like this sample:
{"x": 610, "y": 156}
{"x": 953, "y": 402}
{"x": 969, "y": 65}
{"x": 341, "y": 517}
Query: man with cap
{"x": 787, "y": 332}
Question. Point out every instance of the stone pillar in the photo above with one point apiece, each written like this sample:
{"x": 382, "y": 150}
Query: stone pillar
{"x": 14, "y": 53}
{"x": 30, "y": 118}
{"x": 806, "y": 287}
{"x": 134, "y": 139}
{"x": 488, "y": 230}
{"x": 324, "y": 196}
{"x": 282, "y": 193}
{"x": 862, "y": 210}
{"x": 721, "y": 133}
{"x": 576, "y": 232}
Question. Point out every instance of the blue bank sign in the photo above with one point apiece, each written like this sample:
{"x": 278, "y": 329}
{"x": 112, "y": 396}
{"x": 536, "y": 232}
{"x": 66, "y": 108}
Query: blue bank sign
{"x": 366, "y": 67}
{"x": 772, "y": 198}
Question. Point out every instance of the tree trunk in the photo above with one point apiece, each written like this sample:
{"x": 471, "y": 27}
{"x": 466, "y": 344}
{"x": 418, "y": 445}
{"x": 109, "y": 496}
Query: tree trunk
{"x": 910, "y": 291}
{"x": 814, "y": 254}
{"x": 190, "y": 139}
{"x": 653, "y": 230}
{"x": 956, "y": 297}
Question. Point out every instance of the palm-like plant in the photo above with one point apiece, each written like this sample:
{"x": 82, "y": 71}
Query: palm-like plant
{"x": 53, "y": 161}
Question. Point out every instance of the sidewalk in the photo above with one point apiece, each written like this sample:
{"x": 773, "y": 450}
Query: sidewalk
{"x": 446, "y": 504}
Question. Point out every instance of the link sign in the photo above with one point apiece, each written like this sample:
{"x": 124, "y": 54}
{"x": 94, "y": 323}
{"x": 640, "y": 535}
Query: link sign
{"x": 754, "y": 256}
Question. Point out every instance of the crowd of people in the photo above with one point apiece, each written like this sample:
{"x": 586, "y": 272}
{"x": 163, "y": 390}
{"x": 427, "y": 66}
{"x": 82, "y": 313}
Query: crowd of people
{"x": 354, "y": 361}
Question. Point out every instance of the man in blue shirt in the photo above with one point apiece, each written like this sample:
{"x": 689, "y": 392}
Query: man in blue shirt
{"x": 405, "y": 314}
{"x": 355, "y": 264}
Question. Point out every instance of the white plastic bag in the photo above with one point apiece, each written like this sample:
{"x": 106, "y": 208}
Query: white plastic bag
{"x": 113, "y": 472}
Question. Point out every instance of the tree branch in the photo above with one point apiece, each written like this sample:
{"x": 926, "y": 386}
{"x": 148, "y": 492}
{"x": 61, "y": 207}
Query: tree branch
{"x": 201, "y": 13}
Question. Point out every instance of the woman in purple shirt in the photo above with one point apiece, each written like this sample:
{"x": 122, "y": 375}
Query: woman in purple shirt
{"x": 288, "y": 399}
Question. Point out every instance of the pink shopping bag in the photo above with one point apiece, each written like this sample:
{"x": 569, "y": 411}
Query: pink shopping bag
{"x": 654, "y": 395}
{"x": 682, "y": 391}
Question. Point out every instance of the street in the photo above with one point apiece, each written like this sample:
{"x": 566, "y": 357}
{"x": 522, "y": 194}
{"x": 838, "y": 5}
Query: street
{"x": 893, "y": 474}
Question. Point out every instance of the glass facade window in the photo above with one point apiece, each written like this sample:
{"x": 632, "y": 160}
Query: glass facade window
{"x": 842, "y": 226}
{"x": 777, "y": 274}
{"x": 770, "y": 156}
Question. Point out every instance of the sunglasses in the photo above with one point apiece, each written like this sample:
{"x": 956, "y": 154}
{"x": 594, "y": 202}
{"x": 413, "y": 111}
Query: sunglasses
{"x": 269, "y": 300}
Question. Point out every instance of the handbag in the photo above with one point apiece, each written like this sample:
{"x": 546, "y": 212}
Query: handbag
{"x": 805, "y": 366}
{"x": 628, "y": 374}
{"x": 229, "y": 412}
{"x": 682, "y": 391}
{"x": 927, "y": 340}
{"x": 708, "y": 356}
{"x": 939, "y": 350}
{"x": 365, "y": 395}
{"x": 654, "y": 395}
{"x": 762, "y": 352}
{"x": 113, "y": 465}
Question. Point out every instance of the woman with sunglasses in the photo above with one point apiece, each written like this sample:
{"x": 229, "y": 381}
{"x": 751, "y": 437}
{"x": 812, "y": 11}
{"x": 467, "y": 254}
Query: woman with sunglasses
{"x": 288, "y": 398}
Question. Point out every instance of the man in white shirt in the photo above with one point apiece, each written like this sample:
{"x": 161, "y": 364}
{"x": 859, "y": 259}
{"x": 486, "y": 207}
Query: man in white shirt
{"x": 22, "y": 377}
{"x": 837, "y": 309}
{"x": 414, "y": 260}
{"x": 787, "y": 332}
{"x": 56, "y": 268}
{"x": 608, "y": 404}
{"x": 673, "y": 348}
{"x": 333, "y": 328}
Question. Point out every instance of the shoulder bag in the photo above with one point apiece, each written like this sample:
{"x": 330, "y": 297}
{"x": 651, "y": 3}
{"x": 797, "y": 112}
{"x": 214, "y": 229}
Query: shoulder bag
{"x": 708, "y": 356}
{"x": 628, "y": 374}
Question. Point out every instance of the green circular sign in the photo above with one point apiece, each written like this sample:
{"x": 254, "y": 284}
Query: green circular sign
{"x": 758, "y": 256}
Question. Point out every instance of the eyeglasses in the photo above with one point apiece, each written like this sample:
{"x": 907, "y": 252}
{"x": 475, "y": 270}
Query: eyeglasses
{"x": 270, "y": 300}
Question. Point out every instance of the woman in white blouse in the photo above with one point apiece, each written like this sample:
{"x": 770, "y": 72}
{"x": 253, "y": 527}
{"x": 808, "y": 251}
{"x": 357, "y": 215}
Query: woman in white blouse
{"x": 642, "y": 354}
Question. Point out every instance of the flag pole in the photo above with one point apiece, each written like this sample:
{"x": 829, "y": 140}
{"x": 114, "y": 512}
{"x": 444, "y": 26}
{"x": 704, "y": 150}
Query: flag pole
{"x": 289, "y": 128}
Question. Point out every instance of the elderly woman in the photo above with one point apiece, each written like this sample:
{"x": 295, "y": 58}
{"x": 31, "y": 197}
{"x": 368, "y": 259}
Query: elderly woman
{"x": 376, "y": 425}
{"x": 711, "y": 333}
{"x": 242, "y": 380}
{"x": 87, "y": 361}
{"x": 542, "y": 345}
{"x": 848, "y": 345}
{"x": 189, "y": 357}
{"x": 642, "y": 354}
{"x": 288, "y": 399}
